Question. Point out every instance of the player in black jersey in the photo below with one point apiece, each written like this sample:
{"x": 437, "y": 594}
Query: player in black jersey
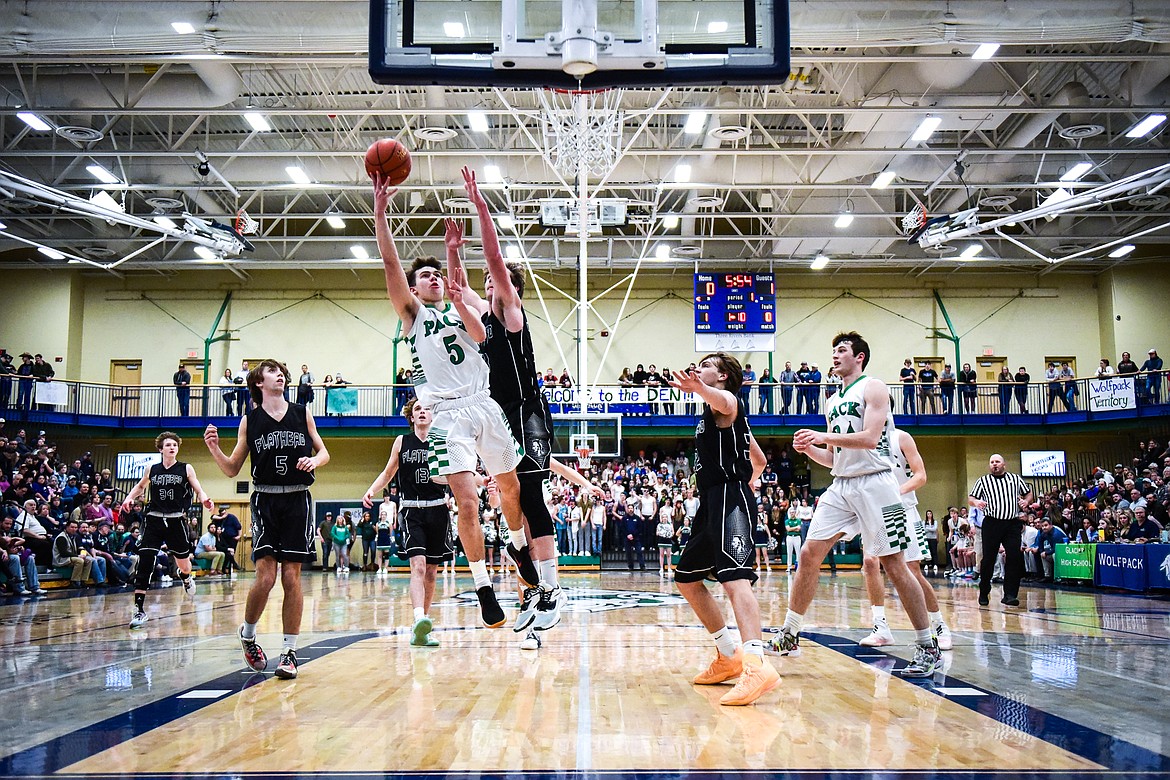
{"x": 282, "y": 441}
{"x": 512, "y": 383}
{"x": 423, "y": 516}
{"x": 727, "y": 461}
{"x": 171, "y": 483}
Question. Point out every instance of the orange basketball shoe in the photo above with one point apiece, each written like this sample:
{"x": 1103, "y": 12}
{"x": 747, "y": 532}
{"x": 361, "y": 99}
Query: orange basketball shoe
{"x": 758, "y": 677}
{"x": 721, "y": 669}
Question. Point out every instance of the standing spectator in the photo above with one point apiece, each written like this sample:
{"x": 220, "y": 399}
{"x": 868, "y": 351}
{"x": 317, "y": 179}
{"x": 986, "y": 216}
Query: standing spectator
{"x": 402, "y": 383}
{"x": 969, "y": 384}
{"x": 597, "y": 513}
{"x": 1006, "y": 383}
{"x": 788, "y": 378}
{"x": 1000, "y": 495}
{"x": 243, "y": 396}
{"x": 1152, "y": 369}
{"x": 24, "y": 391}
{"x": 908, "y": 377}
{"x": 7, "y": 371}
{"x": 766, "y": 384}
{"x": 182, "y": 382}
{"x": 305, "y": 386}
{"x": 745, "y": 390}
{"x": 1055, "y": 388}
{"x": 639, "y": 376}
{"x": 927, "y": 379}
{"x": 227, "y": 385}
{"x": 631, "y": 533}
{"x": 1022, "y": 379}
{"x": 667, "y": 402}
{"x": 1104, "y": 370}
{"x": 930, "y": 525}
{"x": 814, "y": 389}
{"x": 339, "y": 533}
{"x": 369, "y": 534}
{"x": 1070, "y": 388}
{"x": 43, "y": 372}
{"x": 325, "y": 536}
{"x": 1126, "y": 367}
{"x": 946, "y": 386}
{"x": 654, "y": 380}
{"x": 803, "y": 401}
{"x": 229, "y": 534}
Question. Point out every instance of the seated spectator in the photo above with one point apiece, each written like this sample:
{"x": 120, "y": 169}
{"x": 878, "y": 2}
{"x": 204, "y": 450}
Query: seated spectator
{"x": 1142, "y": 530}
{"x": 1050, "y": 536}
{"x": 67, "y": 554}
{"x": 105, "y": 544}
{"x": 85, "y": 543}
{"x": 1088, "y": 533}
{"x": 205, "y": 550}
{"x": 18, "y": 563}
{"x": 36, "y": 536}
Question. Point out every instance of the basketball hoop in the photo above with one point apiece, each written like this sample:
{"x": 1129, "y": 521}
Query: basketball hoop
{"x": 582, "y": 129}
{"x": 583, "y": 459}
{"x": 245, "y": 225}
{"x": 914, "y": 221}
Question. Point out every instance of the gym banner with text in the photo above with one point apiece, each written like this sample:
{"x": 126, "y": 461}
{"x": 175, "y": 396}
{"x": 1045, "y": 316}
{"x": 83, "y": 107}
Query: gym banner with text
{"x": 1122, "y": 566}
{"x": 1075, "y": 561}
{"x": 1112, "y": 394}
{"x": 622, "y": 400}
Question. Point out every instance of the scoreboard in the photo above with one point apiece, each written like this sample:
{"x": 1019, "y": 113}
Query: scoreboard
{"x": 735, "y": 303}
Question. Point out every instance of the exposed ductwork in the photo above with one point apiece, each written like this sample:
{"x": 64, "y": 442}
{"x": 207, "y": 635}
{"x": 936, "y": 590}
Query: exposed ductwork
{"x": 211, "y": 85}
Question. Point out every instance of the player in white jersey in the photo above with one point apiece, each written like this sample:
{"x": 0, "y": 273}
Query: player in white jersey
{"x": 863, "y": 499}
{"x": 451, "y": 379}
{"x": 910, "y": 471}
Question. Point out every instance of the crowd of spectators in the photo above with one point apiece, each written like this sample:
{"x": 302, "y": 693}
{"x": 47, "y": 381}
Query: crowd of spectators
{"x": 22, "y": 379}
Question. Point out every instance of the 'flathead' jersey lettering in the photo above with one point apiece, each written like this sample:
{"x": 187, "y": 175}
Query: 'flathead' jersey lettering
{"x": 446, "y": 361}
{"x": 170, "y": 492}
{"x": 722, "y": 455}
{"x": 901, "y": 467}
{"x": 845, "y": 413}
{"x": 275, "y": 447}
{"x": 414, "y": 474}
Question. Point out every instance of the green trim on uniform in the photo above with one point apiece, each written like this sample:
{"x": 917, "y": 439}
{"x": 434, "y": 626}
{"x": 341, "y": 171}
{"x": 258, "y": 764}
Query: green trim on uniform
{"x": 894, "y": 517}
{"x": 851, "y": 384}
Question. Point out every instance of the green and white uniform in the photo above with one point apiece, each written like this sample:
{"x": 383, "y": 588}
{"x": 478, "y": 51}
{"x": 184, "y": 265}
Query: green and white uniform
{"x": 902, "y": 472}
{"x": 863, "y": 498}
{"x": 451, "y": 379}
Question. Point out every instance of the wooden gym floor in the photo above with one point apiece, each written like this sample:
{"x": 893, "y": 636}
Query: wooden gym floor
{"x": 1072, "y": 684}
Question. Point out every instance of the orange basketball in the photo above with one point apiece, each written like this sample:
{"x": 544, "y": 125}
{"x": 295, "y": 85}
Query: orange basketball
{"x": 390, "y": 158}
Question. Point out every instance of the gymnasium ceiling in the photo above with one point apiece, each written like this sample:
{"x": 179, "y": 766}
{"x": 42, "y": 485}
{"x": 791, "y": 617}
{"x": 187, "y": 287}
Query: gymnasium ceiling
{"x": 1070, "y": 79}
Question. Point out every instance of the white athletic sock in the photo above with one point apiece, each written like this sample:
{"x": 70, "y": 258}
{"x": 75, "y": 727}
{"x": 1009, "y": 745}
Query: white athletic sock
{"x": 249, "y": 630}
{"x": 479, "y": 573}
{"x": 923, "y": 636}
{"x": 290, "y": 641}
{"x": 936, "y": 618}
{"x": 548, "y": 573}
{"x": 517, "y": 538}
{"x": 754, "y": 647}
{"x": 725, "y": 641}
{"x": 879, "y": 613}
{"x": 793, "y": 622}
{"x": 419, "y": 614}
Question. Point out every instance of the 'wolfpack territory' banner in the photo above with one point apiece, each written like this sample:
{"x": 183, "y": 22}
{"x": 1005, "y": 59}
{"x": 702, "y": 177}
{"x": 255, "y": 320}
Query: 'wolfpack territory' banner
{"x": 1111, "y": 394}
{"x": 624, "y": 400}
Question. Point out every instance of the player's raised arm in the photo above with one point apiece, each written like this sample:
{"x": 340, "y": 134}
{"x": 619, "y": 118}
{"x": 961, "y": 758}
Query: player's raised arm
{"x": 382, "y": 480}
{"x": 503, "y": 291}
{"x": 457, "y": 287}
{"x": 405, "y": 304}
{"x": 720, "y": 401}
{"x": 230, "y": 465}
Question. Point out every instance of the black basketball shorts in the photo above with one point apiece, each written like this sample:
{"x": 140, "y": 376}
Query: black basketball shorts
{"x": 171, "y": 530}
{"x": 721, "y": 543}
{"x": 282, "y": 526}
{"x": 425, "y": 532}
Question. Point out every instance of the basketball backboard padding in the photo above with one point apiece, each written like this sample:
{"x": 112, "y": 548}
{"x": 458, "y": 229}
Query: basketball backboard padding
{"x": 528, "y": 43}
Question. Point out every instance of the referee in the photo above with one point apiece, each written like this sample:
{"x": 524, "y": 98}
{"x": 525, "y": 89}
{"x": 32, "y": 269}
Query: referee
{"x": 1001, "y": 496}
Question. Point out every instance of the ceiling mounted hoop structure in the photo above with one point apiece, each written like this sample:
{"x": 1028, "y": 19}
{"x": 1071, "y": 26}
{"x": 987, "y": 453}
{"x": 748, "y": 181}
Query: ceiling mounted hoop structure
{"x": 582, "y": 130}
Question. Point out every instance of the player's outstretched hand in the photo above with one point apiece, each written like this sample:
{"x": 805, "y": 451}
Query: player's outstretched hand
{"x": 453, "y": 235}
{"x": 383, "y": 192}
{"x": 206, "y": 501}
{"x": 368, "y": 499}
{"x": 687, "y": 381}
{"x": 472, "y": 186}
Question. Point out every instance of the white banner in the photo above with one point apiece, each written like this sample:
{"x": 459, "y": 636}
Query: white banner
{"x": 616, "y": 395}
{"x": 54, "y": 393}
{"x": 1111, "y": 394}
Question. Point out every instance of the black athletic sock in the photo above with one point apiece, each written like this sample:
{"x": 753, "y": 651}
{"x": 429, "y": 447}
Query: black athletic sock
{"x": 140, "y": 602}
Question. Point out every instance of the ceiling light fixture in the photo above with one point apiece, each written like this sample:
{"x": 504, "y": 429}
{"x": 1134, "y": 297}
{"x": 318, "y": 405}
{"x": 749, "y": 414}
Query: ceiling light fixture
{"x": 926, "y": 128}
{"x": 512, "y": 252}
{"x": 1059, "y": 196}
{"x": 1122, "y": 250}
{"x": 1076, "y": 172}
{"x": 258, "y": 122}
{"x": 102, "y": 175}
{"x": 34, "y": 121}
{"x": 359, "y": 252}
{"x": 478, "y": 121}
{"x": 1146, "y": 126}
{"x": 493, "y": 174}
{"x": 3, "y": 226}
{"x": 985, "y": 51}
{"x": 335, "y": 222}
{"x": 845, "y": 219}
{"x": 50, "y": 253}
{"x": 819, "y": 262}
{"x": 662, "y": 251}
{"x": 183, "y": 28}
{"x": 696, "y": 121}
{"x": 454, "y": 29}
{"x": 506, "y": 222}
{"x": 670, "y": 221}
{"x": 883, "y": 180}
{"x": 682, "y": 173}
{"x": 297, "y": 174}
{"x": 971, "y": 251}
{"x": 207, "y": 254}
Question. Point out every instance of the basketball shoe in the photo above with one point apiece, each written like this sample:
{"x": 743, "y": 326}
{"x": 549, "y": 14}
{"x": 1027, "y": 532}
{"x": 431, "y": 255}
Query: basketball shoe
{"x": 254, "y": 655}
{"x": 757, "y": 678}
{"x": 926, "y": 659}
{"x": 489, "y": 608}
{"x": 287, "y": 668}
{"x": 879, "y": 637}
{"x": 783, "y": 643}
{"x": 723, "y": 668}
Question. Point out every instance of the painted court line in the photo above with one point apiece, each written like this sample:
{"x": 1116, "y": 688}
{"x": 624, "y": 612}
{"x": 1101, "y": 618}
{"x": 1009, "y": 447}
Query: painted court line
{"x": 204, "y": 694}
{"x": 959, "y": 691}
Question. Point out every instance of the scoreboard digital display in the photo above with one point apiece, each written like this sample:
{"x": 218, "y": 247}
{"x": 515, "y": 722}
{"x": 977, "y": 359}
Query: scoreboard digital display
{"x": 735, "y": 303}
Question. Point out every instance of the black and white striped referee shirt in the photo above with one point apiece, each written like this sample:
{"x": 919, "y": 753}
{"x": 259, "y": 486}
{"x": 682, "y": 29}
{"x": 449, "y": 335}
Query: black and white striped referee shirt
{"x": 1002, "y": 494}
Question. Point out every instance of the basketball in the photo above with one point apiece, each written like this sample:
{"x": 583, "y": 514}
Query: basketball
{"x": 390, "y": 158}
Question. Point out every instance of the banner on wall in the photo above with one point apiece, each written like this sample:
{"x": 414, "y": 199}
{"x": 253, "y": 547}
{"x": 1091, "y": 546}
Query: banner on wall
{"x": 628, "y": 400}
{"x": 1121, "y": 566}
{"x": 1075, "y": 561}
{"x": 341, "y": 400}
{"x": 52, "y": 393}
{"x": 1158, "y": 565}
{"x": 1111, "y": 394}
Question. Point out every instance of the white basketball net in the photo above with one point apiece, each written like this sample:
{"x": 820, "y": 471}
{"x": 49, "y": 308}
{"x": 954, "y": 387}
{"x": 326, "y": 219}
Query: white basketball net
{"x": 914, "y": 220}
{"x": 582, "y": 130}
{"x": 583, "y": 459}
{"x": 245, "y": 225}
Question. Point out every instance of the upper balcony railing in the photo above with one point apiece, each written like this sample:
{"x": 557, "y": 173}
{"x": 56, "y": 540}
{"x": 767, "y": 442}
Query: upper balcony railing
{"x": 136, "y": 406}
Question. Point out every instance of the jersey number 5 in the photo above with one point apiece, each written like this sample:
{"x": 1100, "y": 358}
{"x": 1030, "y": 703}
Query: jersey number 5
{"x": 454, "y": 351}
{"x": 281, "y": 464}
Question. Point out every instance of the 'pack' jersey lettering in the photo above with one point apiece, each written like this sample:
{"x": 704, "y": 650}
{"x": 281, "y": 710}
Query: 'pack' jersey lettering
{"x": 447, "y": 363}
{"x": 845, "y": 413}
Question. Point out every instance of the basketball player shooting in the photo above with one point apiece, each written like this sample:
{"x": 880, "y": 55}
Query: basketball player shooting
{"x": 452, "y": 381}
